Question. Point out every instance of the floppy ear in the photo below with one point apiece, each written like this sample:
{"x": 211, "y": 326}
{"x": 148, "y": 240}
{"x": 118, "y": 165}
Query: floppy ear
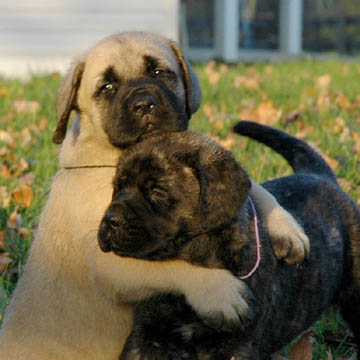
{"x": 66, "y": 99}
{"x": 191, "y": 81}
{"x": 224, "y": 185}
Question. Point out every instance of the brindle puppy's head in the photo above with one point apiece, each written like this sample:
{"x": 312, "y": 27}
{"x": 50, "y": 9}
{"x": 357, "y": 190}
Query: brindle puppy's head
{"x": 127, "y": 86}
{"x": 168, "y": 190}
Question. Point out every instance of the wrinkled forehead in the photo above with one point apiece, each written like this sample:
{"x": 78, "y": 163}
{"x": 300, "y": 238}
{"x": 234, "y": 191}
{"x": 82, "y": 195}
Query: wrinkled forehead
{"x": 128, "y": 56}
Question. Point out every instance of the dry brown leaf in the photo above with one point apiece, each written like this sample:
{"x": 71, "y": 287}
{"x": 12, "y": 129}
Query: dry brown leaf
{"x": 303, "y": 349}
{"x": 324, "y": 81}
{"x": 292, "y": 116}
{"x": 15, "y": 220}
{"x": 213, "y": 78}
{"x": 210, "y": 112}
{"x": 265, "y": 113}
{"x": 4, "y": 261}
{"x": 269, "y": 70}
{"x": 324, "y": 101}
{"x": 343, "y": 101}
{"x": 345, "y": 184}
{"x": 305, "y": 131}
{"x": 2, "y": 238}
{"x": 5, "y": 172}
{"x": 356, "y": 103}
{"x": 6, "y": 137}
{"x": 249, "y": 83}
{"x": 20, "y": 167}
{"x": 212, "y": 75}
{"x": 268, "y": 114}
{"x": 5, "y": 197}
{"x": 4, "y": 151}
{"x": 356, "y": 139}
{"x": 27, "y": 179}
{"x": 42, "y": 124}
{"x": 25, "y": 136}
{"x": 26, "y": 106}
{"x": 23, "y": 195}
{"x": 4, "y": 92}
{"x": 334, "y": 164}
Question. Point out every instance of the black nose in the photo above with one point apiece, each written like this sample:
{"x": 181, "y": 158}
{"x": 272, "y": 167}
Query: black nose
{"x": 112, "y": 220}
{"x": 144, "y": 103}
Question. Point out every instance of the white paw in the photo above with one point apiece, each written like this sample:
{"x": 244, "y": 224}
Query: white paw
{"x": 221, "y": 300}
{"x": 289, "y": 240}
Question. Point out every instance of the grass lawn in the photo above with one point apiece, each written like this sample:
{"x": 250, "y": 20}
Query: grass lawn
{"x": 315, "y": 100}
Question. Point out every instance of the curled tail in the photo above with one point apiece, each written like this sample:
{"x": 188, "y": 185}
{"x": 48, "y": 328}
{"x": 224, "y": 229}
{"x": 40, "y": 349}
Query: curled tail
{"x": 300, "y": 156}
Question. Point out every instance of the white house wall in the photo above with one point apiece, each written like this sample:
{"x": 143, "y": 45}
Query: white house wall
{"x": 44, "y": 35}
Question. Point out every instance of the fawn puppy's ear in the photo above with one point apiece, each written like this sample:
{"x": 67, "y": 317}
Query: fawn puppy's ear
{"x": 190, "y": 79}
{"x": 66, "y": 99}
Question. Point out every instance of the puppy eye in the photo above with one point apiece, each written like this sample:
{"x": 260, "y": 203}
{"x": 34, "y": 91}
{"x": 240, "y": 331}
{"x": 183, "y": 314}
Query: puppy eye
{"x": 159, "y": 72}
{"x": 107, "y": 87}
{"x": 158, "y": 194}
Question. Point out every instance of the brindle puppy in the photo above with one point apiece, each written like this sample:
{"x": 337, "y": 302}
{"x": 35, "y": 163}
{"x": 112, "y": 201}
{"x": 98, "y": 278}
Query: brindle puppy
{"x": 182, "y": 196}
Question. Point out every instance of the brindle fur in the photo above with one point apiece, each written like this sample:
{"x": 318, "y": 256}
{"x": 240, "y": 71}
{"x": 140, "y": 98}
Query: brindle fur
{"x": 183, "y": 196}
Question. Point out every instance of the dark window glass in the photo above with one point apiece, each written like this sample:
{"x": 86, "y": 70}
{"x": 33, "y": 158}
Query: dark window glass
{"x": 332, "y": 25}
{"x": 200, "y": 22}
{"x": 259, "y": 24}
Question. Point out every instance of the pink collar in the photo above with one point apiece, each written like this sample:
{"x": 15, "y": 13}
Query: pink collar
{"x": 258, "y": 246}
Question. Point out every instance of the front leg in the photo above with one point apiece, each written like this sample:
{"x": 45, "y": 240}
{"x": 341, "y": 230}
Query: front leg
{"x": 216, "y": 295}
{"x": 289, "y": 240}
{"x": 165, "y": 328}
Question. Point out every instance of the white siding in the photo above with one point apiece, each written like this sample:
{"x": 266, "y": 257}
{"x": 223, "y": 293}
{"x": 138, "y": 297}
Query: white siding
{"x": 44, "y": 35}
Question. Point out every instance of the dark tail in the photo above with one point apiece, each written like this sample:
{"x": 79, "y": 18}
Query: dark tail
{"x": 300, "y": 156}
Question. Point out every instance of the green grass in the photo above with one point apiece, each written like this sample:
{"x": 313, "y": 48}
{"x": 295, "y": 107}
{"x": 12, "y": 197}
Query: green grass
{"x": 287, "y": 86}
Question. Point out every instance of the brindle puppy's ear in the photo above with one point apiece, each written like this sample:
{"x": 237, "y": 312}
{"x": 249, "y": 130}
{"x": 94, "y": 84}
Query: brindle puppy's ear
{"x": 190, "y": 79}
{"x": 224, "y": 185}
{"x": 66, "y": 99}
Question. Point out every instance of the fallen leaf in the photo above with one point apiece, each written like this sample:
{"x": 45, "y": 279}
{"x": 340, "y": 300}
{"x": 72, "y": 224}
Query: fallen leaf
{"x": 26, "y": 106}
{"x": 15, "y": 220}
{"x": 25, "y": 136}
{"x": 323, "y": 82}
{"x": 23, "y": 195}
{"x": 218, "y": 125}
{"x": 5, "y": 172}
{"x": 5, "y": 197}
{"x": 333, "y": 163}
{"x": 305, "y": 131}
{"x": 303, "y": 349}
{"x": 213, "y": 78}
{"x": 2, "y": 238}
{"x": 249, "y": 83}
{"x": 269, "y": 70}
{"x": 210, "y": 112}
{"x": 24, "y": 231}
{"x": 292, "y": 116}
{"x": 27, "y": 179}
{"x": 20, "y": 167}
{"x": 356, "y": 139}
{"x": 4, "y": 151}
{"x": 325, "y": 101}
{"x": 265, "y": 113}
{"x": 42, "y": 124}
{"x": 343, "y": 101}
{"x": 4, "y": 261}
{"x": 6, "y": 137}
{"x": 345, "y": 184}
{"x": 4, "y": 92}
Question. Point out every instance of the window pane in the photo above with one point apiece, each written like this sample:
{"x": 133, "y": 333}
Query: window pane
{"x": 259, "y": 24}
{"x": 332, "y": 25}
{"x": 200, "y": 22}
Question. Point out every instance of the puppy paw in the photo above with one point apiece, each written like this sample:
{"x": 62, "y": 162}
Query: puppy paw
{"x": 220, "y": 299}
{"x": 289, "y": 240}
